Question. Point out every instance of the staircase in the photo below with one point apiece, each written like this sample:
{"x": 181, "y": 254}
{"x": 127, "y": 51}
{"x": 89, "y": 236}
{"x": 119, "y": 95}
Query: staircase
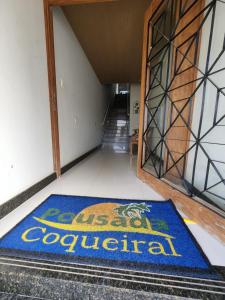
{"x": 116, "y": 131}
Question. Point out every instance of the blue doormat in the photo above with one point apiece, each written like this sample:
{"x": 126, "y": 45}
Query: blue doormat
{"x": 147, "y": 236}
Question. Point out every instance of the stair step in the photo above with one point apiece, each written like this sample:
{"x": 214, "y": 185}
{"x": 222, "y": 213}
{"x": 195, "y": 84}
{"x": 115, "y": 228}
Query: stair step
{"x": 108, "y": 134}
{"x": 51, "y": 280}
{"x": 116, "y": 135}
{"x": 116, "y": 128}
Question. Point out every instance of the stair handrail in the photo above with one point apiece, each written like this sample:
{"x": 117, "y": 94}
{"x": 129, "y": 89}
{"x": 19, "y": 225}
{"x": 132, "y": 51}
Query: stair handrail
{"x": 106, "y": 114}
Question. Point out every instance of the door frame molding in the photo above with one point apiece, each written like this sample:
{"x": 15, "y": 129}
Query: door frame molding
{"x": 49, "y": 35}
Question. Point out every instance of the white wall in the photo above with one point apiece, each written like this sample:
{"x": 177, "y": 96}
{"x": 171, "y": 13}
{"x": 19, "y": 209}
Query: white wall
{"x": 82, "y": 100}
{"x": 135, "y": 94}
{"x": 25, "y": 150}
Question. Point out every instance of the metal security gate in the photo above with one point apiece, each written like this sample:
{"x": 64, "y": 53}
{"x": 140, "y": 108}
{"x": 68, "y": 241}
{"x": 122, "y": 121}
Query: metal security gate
{"x": 183, "y": 130}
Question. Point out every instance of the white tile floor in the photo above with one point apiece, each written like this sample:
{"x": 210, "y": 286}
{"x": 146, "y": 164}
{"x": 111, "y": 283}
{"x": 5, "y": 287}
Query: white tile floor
{"x": 107, "y": 174}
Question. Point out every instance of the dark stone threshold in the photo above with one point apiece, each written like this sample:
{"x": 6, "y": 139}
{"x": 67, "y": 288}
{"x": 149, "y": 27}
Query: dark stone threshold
{"x": 58, "y": 288}
{"x": 11, "y": 296}
{"x": 16, "y": 201}
{"x": 47, "y": 288}
{"x": 71, "y": 281}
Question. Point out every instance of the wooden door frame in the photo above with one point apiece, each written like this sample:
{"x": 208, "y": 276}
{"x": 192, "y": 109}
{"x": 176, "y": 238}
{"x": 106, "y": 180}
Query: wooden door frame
{"x": 198, "y": 212}
{"x": 49, "y": 34}
{"x": 165, "y": 189}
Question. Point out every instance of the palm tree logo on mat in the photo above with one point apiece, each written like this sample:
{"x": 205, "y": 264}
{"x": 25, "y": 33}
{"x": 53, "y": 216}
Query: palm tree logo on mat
{"x": 132, "y": 210}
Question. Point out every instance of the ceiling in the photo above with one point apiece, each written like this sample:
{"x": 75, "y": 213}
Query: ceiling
{"x": 111, "y": 35}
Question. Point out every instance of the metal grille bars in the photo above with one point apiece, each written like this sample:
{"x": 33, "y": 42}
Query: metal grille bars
{"x": 184, "y": 124}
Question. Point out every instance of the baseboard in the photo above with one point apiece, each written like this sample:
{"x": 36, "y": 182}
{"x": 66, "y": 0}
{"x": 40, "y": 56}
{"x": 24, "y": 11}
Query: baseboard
{"x": 25, "y": 195}
{"x": 79, "y": 159}
{"x": 16, "y": 201}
